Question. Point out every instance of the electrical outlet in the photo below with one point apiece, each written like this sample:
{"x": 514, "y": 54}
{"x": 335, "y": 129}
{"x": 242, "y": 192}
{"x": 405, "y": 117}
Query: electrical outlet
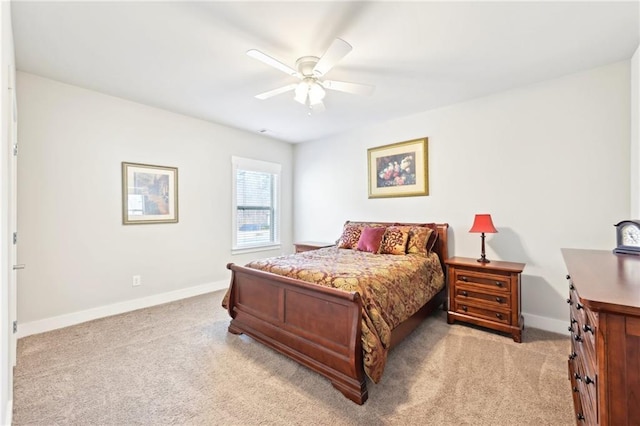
{"x": 137, "y": 280}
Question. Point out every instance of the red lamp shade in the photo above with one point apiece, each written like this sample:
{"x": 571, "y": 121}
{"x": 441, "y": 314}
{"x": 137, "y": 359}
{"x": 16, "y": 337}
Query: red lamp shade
{"x": 483, "y": 223}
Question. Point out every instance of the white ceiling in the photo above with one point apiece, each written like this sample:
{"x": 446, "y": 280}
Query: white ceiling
{"x": 189, "y": 57}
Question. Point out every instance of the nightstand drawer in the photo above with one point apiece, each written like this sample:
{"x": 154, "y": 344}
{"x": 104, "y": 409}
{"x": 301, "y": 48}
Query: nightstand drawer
{"x": 503, "y": 317}
{"x": 483, "y": 280}
{"x": 470, "y": 294}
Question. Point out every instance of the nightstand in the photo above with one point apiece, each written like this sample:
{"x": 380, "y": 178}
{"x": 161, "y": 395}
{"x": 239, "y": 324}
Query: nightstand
{"x": 485, "y": 294}
{"x": 310, "y": 245}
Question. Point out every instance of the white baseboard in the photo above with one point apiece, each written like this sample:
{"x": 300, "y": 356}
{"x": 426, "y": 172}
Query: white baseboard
{"x": 9, "y": 416}
{"x": 546, "y": 323}
{"x": 53, "y": 323}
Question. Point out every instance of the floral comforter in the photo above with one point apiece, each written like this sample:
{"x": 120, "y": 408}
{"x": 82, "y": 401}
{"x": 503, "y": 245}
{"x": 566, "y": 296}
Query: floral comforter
{"x": 392, "y": 287}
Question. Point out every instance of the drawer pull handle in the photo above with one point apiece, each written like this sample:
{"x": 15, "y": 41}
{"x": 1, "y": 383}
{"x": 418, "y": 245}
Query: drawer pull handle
{"x": 464, "y": 293}
{"x": 463, "y": 278}
{"x": 579, "y": 306}
{"x": 575, "y": 389}
{"x": 499, "y": 315}
{"x": 569, "y": 301}
{"x": 570, "y": 328}
{"x": 588, "y": 380}
{"x": 571, "y": 287}
{"x": 577, "y": 377}
{"x": 573, "y": 320}
{"x": 577, "y": 338}
{"x": 573, "y": 355}
{"x": 498, "y": 299}
{"x": 499, "y": 283}
{"x": 464, "y": 308}
{"x": 588, "y": 328}
{"x": 568, "y": 277}
{"x": 580, "y": 417}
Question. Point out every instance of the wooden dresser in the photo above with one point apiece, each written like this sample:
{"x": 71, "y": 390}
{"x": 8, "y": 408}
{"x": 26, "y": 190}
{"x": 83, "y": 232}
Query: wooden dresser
{"x": 604, "y": 363}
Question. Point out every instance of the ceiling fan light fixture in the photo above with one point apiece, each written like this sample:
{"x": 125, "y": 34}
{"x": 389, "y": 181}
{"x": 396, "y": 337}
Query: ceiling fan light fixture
{"x": 316, "y": 93}
{"x": 311, "y": 90}
{"x": 302, "y": 90}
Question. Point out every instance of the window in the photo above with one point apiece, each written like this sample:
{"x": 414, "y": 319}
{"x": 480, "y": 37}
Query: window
{"x": 256, "y": 196}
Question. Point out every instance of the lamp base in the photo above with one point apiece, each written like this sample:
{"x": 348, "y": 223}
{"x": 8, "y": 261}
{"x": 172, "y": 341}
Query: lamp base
{"x": 483, "y": 258}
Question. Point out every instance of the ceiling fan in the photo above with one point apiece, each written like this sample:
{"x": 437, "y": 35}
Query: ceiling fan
{"x": 310, "y": 91}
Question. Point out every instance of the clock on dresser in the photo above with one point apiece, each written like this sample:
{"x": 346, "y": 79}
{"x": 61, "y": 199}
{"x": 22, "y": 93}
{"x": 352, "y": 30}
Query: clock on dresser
{"x": 627, "y": 237}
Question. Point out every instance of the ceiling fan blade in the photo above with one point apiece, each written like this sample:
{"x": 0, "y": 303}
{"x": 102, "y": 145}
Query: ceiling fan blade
{"x": 343, "y": 86}
{"x": 275, "y": 92}
{"x": 338, "y": 50}
{"x": 256, "y": 54}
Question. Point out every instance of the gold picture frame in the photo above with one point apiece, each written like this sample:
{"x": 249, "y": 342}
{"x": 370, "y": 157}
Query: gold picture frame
{"x": 149, "y": 194}
{"x": 399, "y": 170}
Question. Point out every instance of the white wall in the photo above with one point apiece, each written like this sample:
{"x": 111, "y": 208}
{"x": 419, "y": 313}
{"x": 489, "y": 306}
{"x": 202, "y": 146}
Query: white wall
{"x": 635, "y": 135}
{"x": 78, "y": 254}
{"x": 548, "y": 161}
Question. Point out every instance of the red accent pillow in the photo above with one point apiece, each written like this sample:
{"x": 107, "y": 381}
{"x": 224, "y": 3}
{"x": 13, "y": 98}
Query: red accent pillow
{"x": 371, "y": 239}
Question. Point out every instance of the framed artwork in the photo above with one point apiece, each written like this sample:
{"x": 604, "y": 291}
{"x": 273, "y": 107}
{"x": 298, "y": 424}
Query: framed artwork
{"x": 399, "y": 169}
{"x": 149, "y": 194}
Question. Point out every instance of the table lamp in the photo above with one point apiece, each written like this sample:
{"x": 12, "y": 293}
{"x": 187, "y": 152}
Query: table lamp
{"x": 483, "y": 223}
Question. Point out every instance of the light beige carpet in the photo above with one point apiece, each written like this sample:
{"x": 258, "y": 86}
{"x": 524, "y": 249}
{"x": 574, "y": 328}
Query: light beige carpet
{"x": 177, "y": 364}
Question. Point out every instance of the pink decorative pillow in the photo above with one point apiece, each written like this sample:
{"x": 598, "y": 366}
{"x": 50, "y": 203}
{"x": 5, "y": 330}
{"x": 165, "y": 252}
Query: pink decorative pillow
{"x": 350, "y": 236}
{"x": 395, "y": 240}
{"x": 371, "y": 239}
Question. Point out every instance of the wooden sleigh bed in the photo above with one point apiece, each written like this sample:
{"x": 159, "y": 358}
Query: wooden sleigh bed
{"x": 317, "y": 326}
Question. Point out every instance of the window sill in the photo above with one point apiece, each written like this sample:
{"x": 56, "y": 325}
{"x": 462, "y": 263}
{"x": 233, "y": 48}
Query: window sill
{"x": 255, "y": 249}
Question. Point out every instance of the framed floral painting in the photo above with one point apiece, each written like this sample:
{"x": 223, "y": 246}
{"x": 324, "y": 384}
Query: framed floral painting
{"x": 399, "y": 169}
{"x": 149, "y": 194}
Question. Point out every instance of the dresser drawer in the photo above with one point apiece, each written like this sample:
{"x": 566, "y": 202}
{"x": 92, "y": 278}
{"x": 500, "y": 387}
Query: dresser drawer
{"x": 486, "y": 281}
{"x": 470, "y": 294}
{"x": 575, "y": 391}
{"x": 583, "y": 327}
{"x": 588, "y": 390}
{"x": 495, "y": 315}
{"x": 584, "y": 395}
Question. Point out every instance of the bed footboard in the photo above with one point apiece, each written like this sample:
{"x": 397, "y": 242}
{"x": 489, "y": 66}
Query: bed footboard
{"x": 319, "y": 327}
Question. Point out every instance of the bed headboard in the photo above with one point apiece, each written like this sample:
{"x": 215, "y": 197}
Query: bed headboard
{"x": 442, "y": 245}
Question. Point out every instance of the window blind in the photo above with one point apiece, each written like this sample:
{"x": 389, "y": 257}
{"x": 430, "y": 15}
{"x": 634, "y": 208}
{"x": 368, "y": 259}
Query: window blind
{"x": 256, "y": 188}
